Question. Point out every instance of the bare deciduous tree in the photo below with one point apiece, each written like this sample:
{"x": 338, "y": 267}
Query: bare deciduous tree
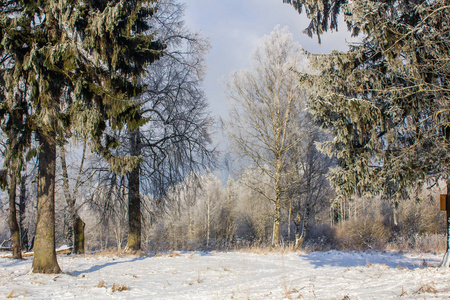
{"x": 267, "y": 101}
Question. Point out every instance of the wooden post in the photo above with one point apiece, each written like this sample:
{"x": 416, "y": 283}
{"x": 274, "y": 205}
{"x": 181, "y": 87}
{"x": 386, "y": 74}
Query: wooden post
{"x": 447, "y": 212}
{"x": 443, "y": 202}
{"x": 445, "y": 205}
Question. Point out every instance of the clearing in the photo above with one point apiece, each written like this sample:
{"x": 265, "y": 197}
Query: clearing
{"x": 232, "y": 275}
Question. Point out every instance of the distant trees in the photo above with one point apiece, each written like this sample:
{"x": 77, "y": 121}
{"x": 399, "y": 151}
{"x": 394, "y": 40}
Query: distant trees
{"x": 70, "y": 67}
{"x": 196, "y": 215}
{"x": 268, "y": 105}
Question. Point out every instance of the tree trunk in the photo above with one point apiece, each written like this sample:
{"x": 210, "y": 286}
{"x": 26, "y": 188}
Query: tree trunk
{"x": 134, "y": 212}
{"x": 394, "y": 214}
{"x": 289, "y": 220}
{"x": 134, "y": 201}
{"x": 301, "y": 224}
{"x": 446, "y": 260}
{"x": 78, "y": 236}
{"x": 299, "y": 231}
{"x": 44, "y": 260}
{"x": 12, "y": 220}
{"x": 76, "y": 223}
{"x": 276, "y": 219}
{"x": 208, "y": 220}
{"x": 22, "y": 207}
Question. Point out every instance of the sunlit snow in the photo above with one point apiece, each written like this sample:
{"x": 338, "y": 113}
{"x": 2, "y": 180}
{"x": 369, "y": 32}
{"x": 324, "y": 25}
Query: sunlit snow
{"x": 232, "y": 275}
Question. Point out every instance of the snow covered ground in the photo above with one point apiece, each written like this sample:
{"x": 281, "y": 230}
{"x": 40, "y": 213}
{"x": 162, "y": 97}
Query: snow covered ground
{"x": 232, "y": 275}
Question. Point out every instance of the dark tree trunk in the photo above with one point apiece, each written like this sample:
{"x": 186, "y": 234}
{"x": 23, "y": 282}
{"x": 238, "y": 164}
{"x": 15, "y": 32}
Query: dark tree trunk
{"x": 44, "y": 260}
{"x": 12, "y": 220}
{"x": 78, "y": 237}
{"x": 446, "y": 260}
{"x": 134, "y": 201}
{"x": 22, "y": 208}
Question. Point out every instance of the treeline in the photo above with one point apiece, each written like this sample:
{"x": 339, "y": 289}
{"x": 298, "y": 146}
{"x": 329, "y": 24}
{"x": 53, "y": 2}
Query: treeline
{"x": 205, "y": 213}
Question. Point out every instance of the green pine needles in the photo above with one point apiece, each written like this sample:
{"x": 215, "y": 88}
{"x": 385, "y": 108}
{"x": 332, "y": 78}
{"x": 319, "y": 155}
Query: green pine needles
{"x": 386, "y": 100}
{"x": 71, "y": 67}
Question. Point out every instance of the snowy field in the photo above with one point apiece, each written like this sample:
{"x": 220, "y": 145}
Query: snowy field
{"x": 232, "y": 275}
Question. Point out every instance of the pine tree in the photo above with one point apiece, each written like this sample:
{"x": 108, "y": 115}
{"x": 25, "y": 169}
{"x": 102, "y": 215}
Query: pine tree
{"x": 77, "y": 65}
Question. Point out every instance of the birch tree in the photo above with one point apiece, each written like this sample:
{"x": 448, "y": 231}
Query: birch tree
{"x": 266, "y": 102}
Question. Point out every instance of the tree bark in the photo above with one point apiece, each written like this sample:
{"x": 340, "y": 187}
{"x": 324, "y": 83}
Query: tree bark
{"x": 22, "y": 208}
{"x": 446, "y": 260}
{"x": 76, "y": 223}
{"x": 394, "y": 214}
{"x": 44, "y": 260}
{"x": 134, "y": 200}
{"x": 276, "y": 219}
{"x": 301, "y": 224}
{"x": 12, "y": 220}
{"x": 299, "y": 231}
{"x": 78, "y": 236}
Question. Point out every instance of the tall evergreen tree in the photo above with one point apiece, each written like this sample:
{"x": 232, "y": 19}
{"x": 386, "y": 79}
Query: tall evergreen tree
{"x": 386, "y": 100}
{"x": 175, "y": 140}
{"x": 77, "y": 64}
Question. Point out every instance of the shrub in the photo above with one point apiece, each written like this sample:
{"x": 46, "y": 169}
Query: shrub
{"x": 321, "y": 237}
{"x": 363, "y": 233}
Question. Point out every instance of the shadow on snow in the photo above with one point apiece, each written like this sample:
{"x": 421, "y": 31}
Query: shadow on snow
{"x": 335, "y": 258}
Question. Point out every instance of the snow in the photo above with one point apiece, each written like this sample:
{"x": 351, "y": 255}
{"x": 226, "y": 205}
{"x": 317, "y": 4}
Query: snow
{"x": 232, "y": 275}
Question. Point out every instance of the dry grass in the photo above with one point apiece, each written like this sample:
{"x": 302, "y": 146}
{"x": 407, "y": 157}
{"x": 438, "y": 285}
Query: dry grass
{"x": 364, "y": 233}
{"x": 119, "y": 288}
{"x": 266, "y": 249}
{"x": 101, "y": 284}
{"x": 117, "y": 253}
{"x": 11, "y": 295}
{"x": 174, "y": 254}
{"x": 427, "y": 288}
{"x": 432, "y": 243}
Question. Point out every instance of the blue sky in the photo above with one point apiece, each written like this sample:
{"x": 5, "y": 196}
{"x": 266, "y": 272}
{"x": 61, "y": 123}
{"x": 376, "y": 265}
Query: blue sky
{"x": 234, "y": 28}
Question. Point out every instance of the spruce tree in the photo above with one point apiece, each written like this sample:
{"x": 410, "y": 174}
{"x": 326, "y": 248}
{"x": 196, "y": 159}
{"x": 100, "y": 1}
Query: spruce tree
{"x": 174, "y": 142}
{"x": 386, "y": 100}
{"x": 77, "y": 65}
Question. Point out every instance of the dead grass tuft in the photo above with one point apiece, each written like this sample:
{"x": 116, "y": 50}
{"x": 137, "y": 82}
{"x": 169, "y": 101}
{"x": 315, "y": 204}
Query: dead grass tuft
{"x": 11, "y": 295}
{"x": 174, "y": 254}
{"x": 404, "y": 293}
{"x": 101, "y": 284}
{"x": 119, "y": 288}
{"x": 427, "y": 288}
